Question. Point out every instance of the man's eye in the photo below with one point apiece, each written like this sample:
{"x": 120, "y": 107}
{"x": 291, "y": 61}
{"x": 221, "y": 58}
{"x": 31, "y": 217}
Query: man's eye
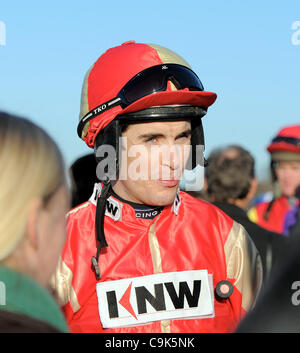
{"x": 151, "y": 139}
{"x": 183, "y": 138}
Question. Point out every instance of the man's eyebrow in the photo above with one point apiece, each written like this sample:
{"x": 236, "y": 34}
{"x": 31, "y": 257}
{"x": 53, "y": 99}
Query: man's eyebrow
{"x": 150, "y": 135}
{"x": 186, "y": 132}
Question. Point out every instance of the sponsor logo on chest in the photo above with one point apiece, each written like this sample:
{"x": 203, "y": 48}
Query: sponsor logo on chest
{"x": 165, "y": 296}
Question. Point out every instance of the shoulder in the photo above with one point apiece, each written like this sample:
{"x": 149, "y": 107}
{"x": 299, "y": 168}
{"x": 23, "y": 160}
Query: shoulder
{"x": 218, "y": 225}
{"x": 80, "y": 221}
{"x": 206, "y": 216}
{"x": 11, "y": 322}
{"x": 257, "y": 211}
{"x": 78, "y": 211}
{"x": 261, "y": 202}
{"x": 264, "y": 197}
{"x": 197, "y": 205}
{"x": 79, "y": 208}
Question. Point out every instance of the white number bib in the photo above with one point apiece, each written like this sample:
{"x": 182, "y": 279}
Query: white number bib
{"x": 164, "y": 296}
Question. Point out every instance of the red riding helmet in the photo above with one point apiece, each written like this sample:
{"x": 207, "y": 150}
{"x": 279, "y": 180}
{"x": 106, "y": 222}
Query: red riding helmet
{"x": 286, "y": 143}
{"x": 132, "y": 77}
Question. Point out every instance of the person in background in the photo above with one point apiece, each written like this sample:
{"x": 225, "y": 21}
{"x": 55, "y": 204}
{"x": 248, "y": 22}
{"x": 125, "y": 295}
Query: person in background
{"x": 230, "y": 183}
{"x": 277, "y": 309}
{"x": 33, "y": 202}
{"x": 280, "y": 213}
{"x": 83, "y": 177}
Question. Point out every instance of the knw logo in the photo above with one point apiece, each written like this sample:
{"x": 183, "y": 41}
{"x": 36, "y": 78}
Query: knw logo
{"x": 113, "y": 207}
{"x": 157, "y": 297}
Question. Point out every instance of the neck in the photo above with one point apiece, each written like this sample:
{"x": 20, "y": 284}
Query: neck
{"x": 243, "y": 204}
{"x": 121, "y": 190}
{"x": 141, "y": 210}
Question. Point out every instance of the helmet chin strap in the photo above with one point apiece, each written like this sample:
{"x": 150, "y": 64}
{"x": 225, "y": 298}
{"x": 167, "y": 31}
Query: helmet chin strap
{"x": 100, "y": 213}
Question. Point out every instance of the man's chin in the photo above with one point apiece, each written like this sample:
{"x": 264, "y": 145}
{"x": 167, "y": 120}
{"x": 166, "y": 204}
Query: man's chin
{"x": 288, "y": 192}
{"x": 153, "y": 193}
{"x": 162, "y": 195}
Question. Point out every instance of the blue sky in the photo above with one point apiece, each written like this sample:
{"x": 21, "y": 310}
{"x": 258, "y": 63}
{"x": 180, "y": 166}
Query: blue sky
{"x": 242, "y": 50}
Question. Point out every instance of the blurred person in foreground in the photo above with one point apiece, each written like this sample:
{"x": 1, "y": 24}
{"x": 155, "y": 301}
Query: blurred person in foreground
{"x": 277, "y": 309}
{"x": 139, "y": 253}
{"x": 280, "y": 213}
{"x": 230, "y": 184}
{"x": 33, "y": 203}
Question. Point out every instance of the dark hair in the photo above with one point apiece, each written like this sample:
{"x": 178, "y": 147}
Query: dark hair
{"x": 124, "y": 127}
{"x": 229, "y": 176}
{"x": 83, "y": 177}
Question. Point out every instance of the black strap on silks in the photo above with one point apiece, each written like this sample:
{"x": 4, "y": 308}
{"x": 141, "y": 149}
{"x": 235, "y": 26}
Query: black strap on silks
{"x": 268, "y": 210}
{"x": 100, "y": 236}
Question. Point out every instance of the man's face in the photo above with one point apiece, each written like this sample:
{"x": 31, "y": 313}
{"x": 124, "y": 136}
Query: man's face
{"x": 288, "y": 175}
{"x": 153, "y": 158}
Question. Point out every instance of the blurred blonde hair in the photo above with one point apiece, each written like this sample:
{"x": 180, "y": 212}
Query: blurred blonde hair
{"x": 31, "y": 165}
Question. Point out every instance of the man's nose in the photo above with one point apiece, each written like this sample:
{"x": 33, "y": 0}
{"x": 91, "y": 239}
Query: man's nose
{"x": 172, "y": 157}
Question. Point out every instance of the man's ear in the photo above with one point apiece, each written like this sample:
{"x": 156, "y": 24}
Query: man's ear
{"x": 35, "y": 207}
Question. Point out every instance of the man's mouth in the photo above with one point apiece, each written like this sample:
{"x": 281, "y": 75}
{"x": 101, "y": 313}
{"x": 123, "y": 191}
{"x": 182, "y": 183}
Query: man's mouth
{"x": 169, "y": 183}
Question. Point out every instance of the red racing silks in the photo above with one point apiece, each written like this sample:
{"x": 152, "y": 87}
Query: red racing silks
{"x": 272, "y": 218}
{"x": 157, "y": 275}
